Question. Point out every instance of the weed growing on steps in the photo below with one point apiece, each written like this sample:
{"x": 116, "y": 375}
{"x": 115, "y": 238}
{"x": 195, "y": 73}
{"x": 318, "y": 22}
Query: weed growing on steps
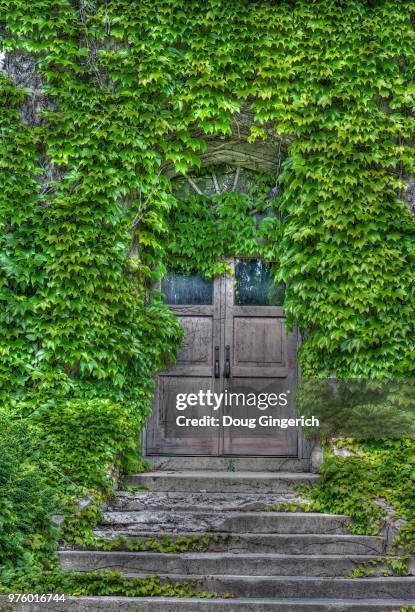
{"x": 296, "y": 506}
{"x": 103, "y": 583}
{"x": 384, "y": 566}
{"x": 197, "y": 543}
{"x": 231, "y": 465}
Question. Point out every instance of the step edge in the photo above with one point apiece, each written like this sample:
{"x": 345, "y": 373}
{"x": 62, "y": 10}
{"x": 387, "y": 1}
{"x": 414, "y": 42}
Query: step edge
{"x": 348, "y": 537}
{"x": 231, "y": 600}
{"x": 228, "y": 475}
{"x": 294, "y": 579}
{"x": 220, "y": 555}
{"x": 251, "y": 513}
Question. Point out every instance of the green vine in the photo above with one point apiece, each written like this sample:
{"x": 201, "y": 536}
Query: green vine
{"x": 376, "y": 471}
{"x": 105, "y": 583}
{"x": 116, "y": 93}
{"x": 205, "y": 542}
{"x": 204, "y": 231}
{"x": 331, "y": 78}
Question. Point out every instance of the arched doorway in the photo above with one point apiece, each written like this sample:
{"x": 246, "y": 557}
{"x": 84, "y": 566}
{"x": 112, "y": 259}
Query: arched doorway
{"x": 236, "y": 349}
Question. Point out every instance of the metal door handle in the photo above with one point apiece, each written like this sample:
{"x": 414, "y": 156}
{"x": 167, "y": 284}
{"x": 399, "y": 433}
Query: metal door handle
{"x": 217, "y": 364}
{"x": 227, "y": 361}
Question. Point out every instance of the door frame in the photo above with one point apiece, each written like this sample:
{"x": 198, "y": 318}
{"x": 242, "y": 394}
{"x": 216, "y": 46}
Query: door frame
{"x": 303, "y": 447}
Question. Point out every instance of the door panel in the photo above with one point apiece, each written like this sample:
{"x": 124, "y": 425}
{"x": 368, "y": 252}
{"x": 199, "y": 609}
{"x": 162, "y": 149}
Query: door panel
{"x": 196, "y": 355}
{"x": 261, "y": 441}
{"x": 258, "y": 343}
{"x": 170, "y": 438}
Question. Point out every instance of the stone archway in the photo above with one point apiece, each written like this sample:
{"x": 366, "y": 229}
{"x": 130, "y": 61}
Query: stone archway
{"x": 236, "y": 150}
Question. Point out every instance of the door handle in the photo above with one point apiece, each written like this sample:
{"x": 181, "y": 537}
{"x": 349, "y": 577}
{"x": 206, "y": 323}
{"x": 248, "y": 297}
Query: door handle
{"x": 227, "y": 361}
{"x": 217, "y": 363}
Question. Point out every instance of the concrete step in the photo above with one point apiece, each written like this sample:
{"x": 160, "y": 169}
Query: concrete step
{"x": 172, "y": 604}
{"x": 228, "y": 522}
{"x": 125, "y": 501}
{"x": 300, "y": 587}
{"x": 288, "y": 543}
{"x": 213, "y": 563}
{"x": 222, "y": 482}
{"x": 227, "y": 464}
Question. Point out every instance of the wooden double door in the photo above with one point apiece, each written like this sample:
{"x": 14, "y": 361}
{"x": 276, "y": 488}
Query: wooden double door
{"x": 236, "y": 344}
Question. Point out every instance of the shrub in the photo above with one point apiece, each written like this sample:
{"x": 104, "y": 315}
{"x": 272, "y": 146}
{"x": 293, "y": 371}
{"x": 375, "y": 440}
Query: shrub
{"x": 26, "y": 499}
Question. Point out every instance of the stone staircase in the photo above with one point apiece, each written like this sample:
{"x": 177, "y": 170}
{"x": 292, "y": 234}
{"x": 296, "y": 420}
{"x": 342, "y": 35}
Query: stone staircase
{"x": 266, "y": 560}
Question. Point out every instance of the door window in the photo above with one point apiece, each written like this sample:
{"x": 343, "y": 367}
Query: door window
{"x": 255, "y": 285}
{"x": 189, "y": 289}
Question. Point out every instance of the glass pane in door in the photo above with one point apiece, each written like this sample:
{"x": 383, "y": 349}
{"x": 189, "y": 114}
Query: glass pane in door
{"x": 191, "y": 289}
{"x": 255, "y": 285}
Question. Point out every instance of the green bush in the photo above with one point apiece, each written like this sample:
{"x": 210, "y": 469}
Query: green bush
{"x": 49, "y": 460}
{"x": 26, "y": 498}
{"x": 81, "y": 441}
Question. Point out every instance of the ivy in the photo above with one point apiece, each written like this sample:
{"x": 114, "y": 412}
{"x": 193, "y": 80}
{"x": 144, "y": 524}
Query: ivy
{"x": 122, "y": 91}
{"x": 196, "y": 543}
{"x": 204, "y": 231}
{"x": 106, "y": 583}
{"x": 124, "y": 85}
{"x": 375, "y": 471}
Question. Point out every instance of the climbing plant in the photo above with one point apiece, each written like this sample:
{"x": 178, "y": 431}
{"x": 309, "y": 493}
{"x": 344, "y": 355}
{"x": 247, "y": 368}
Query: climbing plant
{"x": 109, "y": 94}
{"x": 123, "y": 83}
{"x": 205, "y": 230}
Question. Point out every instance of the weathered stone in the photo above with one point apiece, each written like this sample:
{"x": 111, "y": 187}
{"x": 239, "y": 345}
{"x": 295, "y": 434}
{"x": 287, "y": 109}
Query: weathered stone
{"x": 269, "y": 560}
{"x": 217, "y": 564}
{"x": 291, "y": 543}
{"x": 219, "y": 502}
{"x": 227, "y": 522}
{"x": 237, "y": 464}
{"x": 171, "y": 604}
{"x": 216, "y": 482}
{"x": 317, "y": 458}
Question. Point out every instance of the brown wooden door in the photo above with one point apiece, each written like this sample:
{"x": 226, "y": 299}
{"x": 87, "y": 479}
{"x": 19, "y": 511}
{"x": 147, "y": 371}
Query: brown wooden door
{"x": 197, "y": 303}
{"x": 262, "y": 360}
{"x": 236, "y": 342}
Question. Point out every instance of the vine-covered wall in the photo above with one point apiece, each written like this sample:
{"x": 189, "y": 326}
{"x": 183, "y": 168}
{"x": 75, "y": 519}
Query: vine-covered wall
{"x": 117, "y": 91}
